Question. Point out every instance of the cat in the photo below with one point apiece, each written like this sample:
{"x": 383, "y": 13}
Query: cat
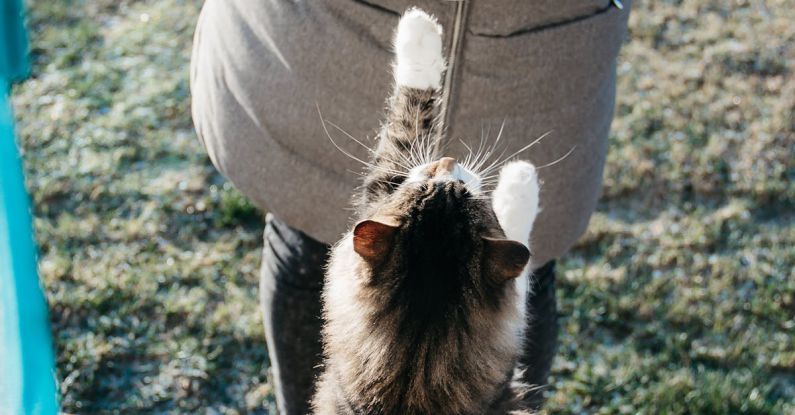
{"x": 424, "y": 299}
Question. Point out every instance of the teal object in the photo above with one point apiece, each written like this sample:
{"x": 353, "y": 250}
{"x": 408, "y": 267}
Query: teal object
{"x": 27, "y": 381}
{"x": 14, "y": 63}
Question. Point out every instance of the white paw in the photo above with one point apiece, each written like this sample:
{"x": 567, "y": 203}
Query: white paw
{"x": 418, "y": 49}
{"x": 515, "y": 200}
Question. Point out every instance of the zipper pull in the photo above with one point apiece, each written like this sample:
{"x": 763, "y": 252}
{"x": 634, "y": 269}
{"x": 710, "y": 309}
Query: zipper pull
{"x": 619, "y": 5}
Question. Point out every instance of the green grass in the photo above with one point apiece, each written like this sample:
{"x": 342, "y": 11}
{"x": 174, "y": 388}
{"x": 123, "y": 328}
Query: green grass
{"x": 680, "y": 298}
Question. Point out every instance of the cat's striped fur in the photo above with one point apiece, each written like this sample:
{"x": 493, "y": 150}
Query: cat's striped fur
{"x": 422, "y": 308}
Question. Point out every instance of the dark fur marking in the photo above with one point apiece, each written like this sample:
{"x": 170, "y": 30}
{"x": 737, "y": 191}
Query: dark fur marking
{"x": 430, "y": 298}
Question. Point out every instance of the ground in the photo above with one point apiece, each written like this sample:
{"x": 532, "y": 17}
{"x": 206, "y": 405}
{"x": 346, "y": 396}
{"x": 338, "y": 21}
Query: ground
{"x": 679, "y": 299}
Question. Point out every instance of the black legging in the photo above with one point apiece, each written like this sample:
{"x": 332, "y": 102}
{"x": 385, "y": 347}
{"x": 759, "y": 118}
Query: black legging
{"x": 290, "y": 286}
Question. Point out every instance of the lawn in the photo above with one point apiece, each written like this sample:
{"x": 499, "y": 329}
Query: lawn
{"x": 679, "y": 299}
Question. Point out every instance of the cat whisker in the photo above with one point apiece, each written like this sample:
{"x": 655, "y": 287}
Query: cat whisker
{"x": 521, "y": 150}
{"x": 481, "y": 150}
{"x": 558, "y": 160}
{"x": 351, "y": 137}
{"x": 527, "y": 147}
{"x": 343, "y": 151}
{"x": 485, "y": 152}
{"x": 362, "y": 144}
{"x": 486, "y": 171}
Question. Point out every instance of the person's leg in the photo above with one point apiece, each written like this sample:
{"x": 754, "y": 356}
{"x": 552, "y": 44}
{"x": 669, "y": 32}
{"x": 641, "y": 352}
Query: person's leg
{"x": 290, "y": 288}
{"x": 542, "y": 333}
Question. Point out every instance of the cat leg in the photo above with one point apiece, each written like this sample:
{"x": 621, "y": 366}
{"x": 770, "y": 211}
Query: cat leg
{"x": 418, "y": 51}
{"x": 412, "y": 131}
{"x": 515, "y": 202}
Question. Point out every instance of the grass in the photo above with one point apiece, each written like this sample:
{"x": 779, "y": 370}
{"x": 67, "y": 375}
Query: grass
{"x": 679, "y": 299}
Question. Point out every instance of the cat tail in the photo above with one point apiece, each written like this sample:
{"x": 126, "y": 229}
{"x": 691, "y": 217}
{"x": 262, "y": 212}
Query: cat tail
{"x": 414, "y": 127}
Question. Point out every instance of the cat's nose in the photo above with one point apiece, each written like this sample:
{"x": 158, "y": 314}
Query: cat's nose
{"x": 446, "y": 166}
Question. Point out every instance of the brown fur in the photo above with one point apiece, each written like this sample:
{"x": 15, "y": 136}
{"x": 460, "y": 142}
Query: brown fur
{"x": 431, "y": 326}
{"x": 420, "y": 308}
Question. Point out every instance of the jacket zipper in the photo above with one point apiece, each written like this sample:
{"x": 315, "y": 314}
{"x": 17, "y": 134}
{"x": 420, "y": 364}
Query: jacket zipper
{"x": 458, "y": 32}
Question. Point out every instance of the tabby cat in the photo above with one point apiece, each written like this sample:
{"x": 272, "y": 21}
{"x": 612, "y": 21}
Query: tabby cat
{"x": 424, "y": 300}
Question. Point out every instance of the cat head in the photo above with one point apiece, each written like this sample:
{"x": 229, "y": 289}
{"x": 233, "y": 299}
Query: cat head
{"x": 434, "y": 243}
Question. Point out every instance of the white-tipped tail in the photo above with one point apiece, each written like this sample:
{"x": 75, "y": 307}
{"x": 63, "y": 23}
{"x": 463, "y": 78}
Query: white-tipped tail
{"x": 418, "y": 51}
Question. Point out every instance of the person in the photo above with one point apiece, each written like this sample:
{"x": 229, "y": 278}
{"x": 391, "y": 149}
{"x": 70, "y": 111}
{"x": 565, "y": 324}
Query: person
{"x": 264, "y": 74}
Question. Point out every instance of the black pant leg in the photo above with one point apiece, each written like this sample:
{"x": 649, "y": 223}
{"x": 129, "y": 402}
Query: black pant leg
{"x": 290, "y": 288}
{"x": 291, "y": 282}
{"x": 542, "y": 333}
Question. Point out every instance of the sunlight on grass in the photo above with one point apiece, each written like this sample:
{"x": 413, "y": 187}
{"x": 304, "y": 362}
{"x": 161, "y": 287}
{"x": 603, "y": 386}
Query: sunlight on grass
{"x": 679, "y": 299}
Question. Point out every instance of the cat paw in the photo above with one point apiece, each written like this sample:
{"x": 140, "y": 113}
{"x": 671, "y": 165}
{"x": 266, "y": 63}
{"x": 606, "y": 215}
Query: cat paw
{"x": 515, "y": 200}
{"x": 418, "y": 48}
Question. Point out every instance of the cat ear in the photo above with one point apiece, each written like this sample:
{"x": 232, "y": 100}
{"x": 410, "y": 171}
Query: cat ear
{"x": 504, "y": 259}
{"x": 372, "y": 239}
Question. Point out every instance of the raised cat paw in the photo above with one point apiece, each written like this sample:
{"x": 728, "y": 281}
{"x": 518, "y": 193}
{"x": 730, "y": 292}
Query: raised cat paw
{"x": 515, "y": 200}
{"x": 418, "y": 48}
